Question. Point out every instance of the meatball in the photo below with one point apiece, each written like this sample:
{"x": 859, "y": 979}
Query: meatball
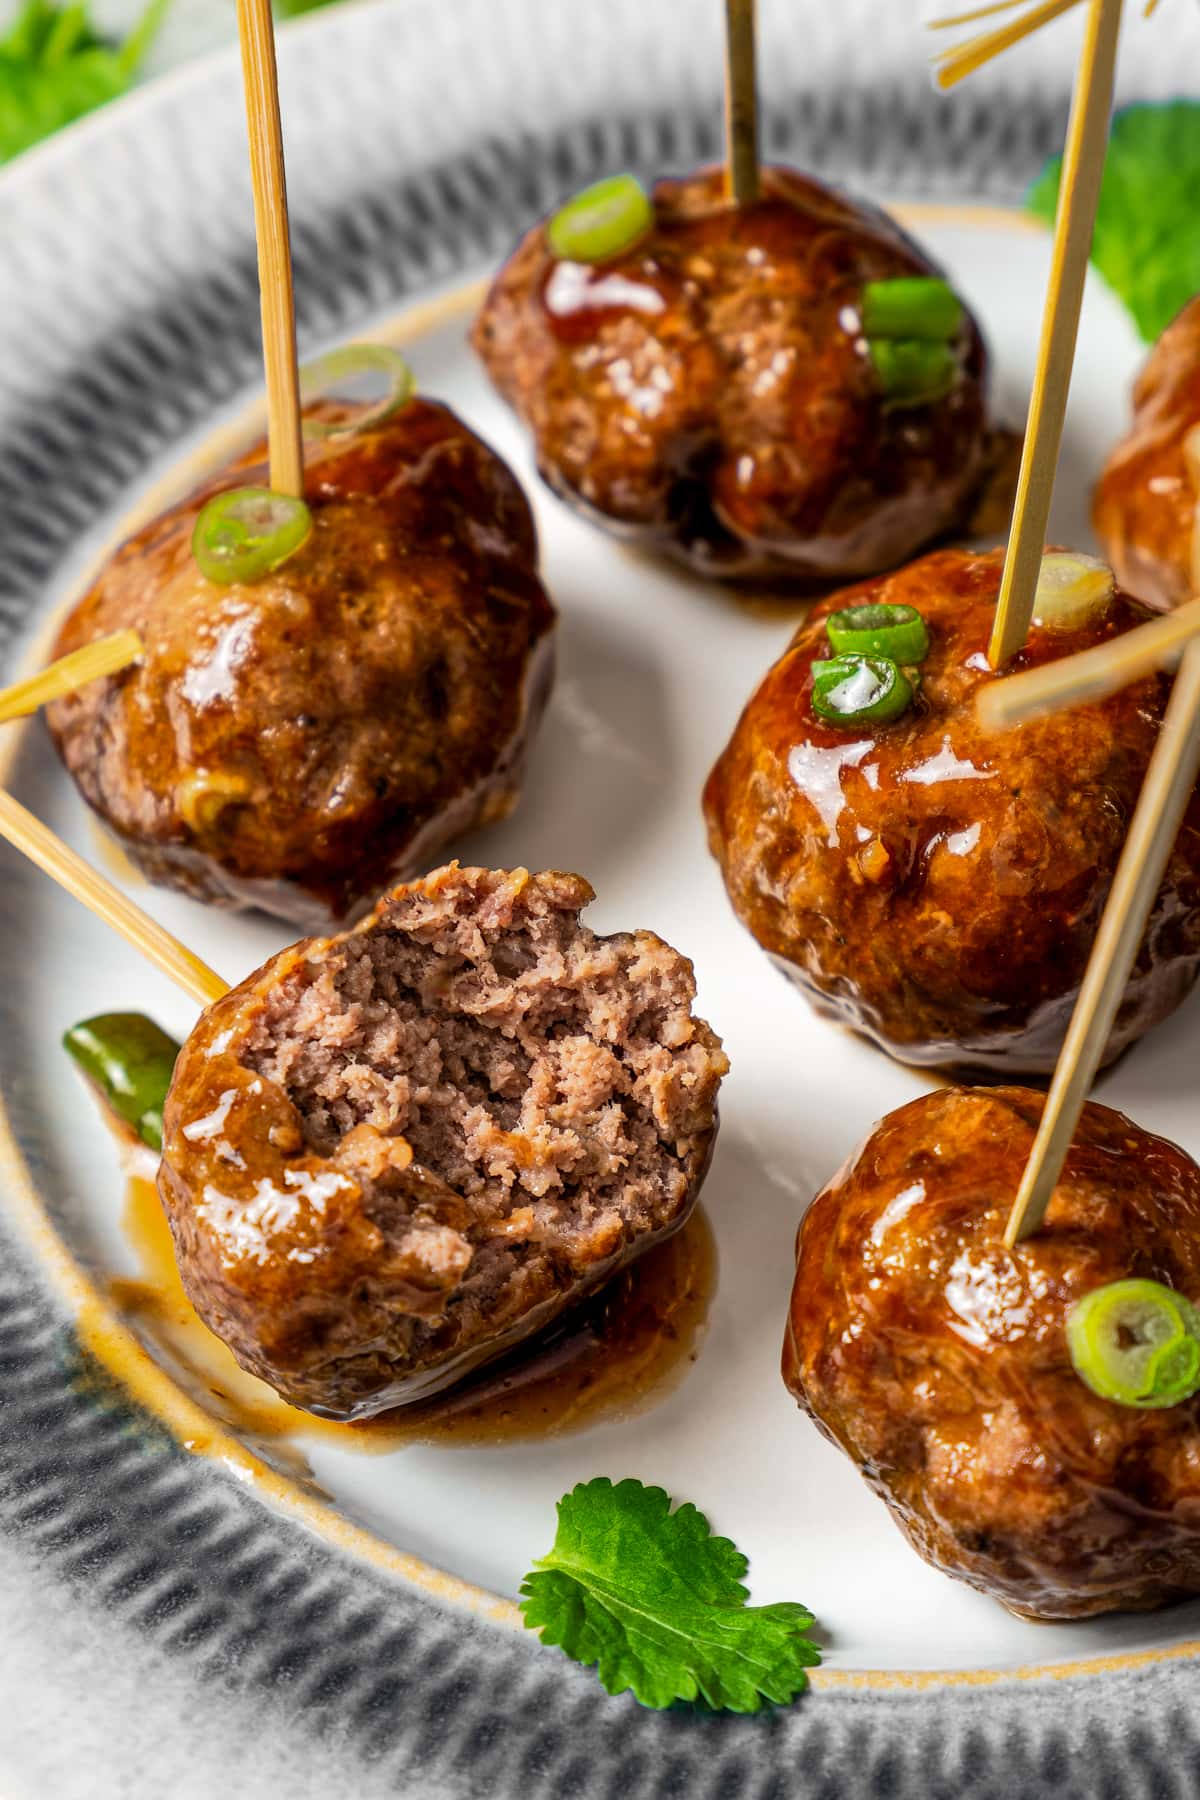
{"x": 709, "y": 391}
{"x": 1145, "y": 503}
{"x": 938, "y": 1360}
{"x": 390, "y": 1155}
{"x": 296, "y": 743}
{"x": 934, "y": 886}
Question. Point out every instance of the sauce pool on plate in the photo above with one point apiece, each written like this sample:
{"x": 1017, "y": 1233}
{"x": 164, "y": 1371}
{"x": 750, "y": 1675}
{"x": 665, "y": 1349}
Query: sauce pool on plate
{"x": 619, "y": 1352}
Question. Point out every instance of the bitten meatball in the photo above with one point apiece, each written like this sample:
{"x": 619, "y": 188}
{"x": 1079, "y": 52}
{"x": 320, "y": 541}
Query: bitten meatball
{"x": 297, "y": 742}
{"x": 938, "y": 1360}
{"x": 389, "y": 1156}
{"x": 709, "y": 391}
{"x": 1145, "y": 503}
{"x": 935, "y": 886}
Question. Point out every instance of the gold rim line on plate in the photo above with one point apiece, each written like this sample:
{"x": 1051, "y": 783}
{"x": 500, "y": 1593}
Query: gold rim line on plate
{"x": 100, "y": 1327}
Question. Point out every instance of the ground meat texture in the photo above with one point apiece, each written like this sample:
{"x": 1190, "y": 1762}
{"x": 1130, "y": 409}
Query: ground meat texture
{"x": 934, "y": 886}
{"x": 1145, "y": 503}
{"x": 938, "y": 1361}
{"x": 298, "y": 742}
{"x": 392, "y": 1154}
{"x": 709, "y": 392}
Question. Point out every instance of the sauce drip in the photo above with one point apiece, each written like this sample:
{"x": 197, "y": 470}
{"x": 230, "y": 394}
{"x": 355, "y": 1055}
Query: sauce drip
{"x": 616, "y": 1354}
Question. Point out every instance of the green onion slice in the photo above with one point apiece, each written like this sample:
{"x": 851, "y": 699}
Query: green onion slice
{"x": 860, "y": 690}
{"x": 1136, "y": 1342}
{"x": 130, "y": 1060}
{"x": 913, "y": 372}
{"x": 884, "y": 629}
{"x": 243, "y": 534}
{"x": 1071, "y": 590}
{"x": 911, "y": 306}
{"x": 601, "y": 221}
{"x": 317, "y": 378}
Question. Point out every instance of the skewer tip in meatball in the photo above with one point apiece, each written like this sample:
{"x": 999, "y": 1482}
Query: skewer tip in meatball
{"x": 938, "y": 1360}
{"x": 1145, "y": 506}
{"x": 390, "y": 1155}
{"x": 296, "y": 742}
{"x": 709, "y": 391}
{"x": 932, "y": 885}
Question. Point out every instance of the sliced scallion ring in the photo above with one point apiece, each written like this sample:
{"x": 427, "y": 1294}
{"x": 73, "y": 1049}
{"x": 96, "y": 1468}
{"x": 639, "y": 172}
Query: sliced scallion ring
{"x": 913, "y": 372}
{"x": 340, "y": 366}
{"x": 244, "y": 533}
{"x": 883, "y": 629}
{"x": 603, "y": 220}
{"x": 911, "y": 306}
{"x": 1136, "y": 1342}
{"x": 860, "y": 690}
{"x": 1071, "y": 590}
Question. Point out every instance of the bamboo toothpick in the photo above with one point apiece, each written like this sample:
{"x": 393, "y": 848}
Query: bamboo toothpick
{"x": 1079, "y": 194}
{"x": 257, "y": 37}
{"x": 1191, "y": 459}
{"x": 103, "y": 657}
{"x": 949, "y": 20}
{"x": 20, "y": 828}
{"x": 1090, "y": 674}
{"x": 741, "y": 103}
{"x": 1152, "y": 833}
{"x": 964, "y": 59}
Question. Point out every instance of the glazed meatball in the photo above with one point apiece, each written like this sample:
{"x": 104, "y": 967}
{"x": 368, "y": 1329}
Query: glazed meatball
{"x": 390, "y": 1155}
{"x": 296, "y": 743}
{"x": 1145, "y": 504}
{"x": 934, "y": 886}
{"x": 938, "y": 1360}
{"x": 709, "y": 392}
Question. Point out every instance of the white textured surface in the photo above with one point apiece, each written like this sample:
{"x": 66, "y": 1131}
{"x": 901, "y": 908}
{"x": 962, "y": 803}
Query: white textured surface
{"x": 135, "y": 1730}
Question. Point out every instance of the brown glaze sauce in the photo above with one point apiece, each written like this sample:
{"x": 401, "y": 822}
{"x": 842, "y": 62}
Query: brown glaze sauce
{"x": 617, "y": 1354}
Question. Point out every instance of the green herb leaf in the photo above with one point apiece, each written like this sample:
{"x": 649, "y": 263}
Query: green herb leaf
{"x": 1147, "y": 242}
{"x": 54, "y": 68}
{"x": 657, "y": 1603}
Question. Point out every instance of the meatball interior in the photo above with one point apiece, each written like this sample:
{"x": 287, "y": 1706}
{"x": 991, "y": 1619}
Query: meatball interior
{"x": 298, "y": 742}
{"x": 1146, "y": 499}
{"x": 391, "y": 1154}
{"x": 935, "y": 886}
{"x": 710, "y": 392}
{"x": 937, "y": 1359}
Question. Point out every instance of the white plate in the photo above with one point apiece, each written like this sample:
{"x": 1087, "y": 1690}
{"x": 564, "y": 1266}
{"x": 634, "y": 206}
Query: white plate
{"x": 655, "y": 667}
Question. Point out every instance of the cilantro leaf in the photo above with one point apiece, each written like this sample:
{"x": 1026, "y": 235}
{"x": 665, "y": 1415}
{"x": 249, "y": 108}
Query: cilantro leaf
{"x": 54, "y": 68}
{"x": 657, "y": 1603}
{"x": 1147, "y": 242}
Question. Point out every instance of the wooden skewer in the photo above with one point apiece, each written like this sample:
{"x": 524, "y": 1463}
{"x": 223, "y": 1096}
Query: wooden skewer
{"x": 20, "y": 828}
{"x": 1089, "y": 675}
{"x": 964, "y": 59}
{"x": 1191, "y": 458}
{"x": 949, "y": 20}
{"x": 1152, "y": 833}
{"x": 274, "y": 245}
{"x": 103, "y": 657}
{"x": 741, "y": 103}
{"x": 1083, "y": 167}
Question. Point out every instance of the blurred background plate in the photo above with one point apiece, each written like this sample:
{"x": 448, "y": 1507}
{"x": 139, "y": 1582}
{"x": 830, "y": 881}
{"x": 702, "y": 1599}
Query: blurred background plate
{"x": 163, "y": 1625}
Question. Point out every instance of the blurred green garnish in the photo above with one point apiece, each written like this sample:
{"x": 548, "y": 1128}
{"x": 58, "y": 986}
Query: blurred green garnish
{"x": 1147, "y": 242}
{"x": 54, "y": 68}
